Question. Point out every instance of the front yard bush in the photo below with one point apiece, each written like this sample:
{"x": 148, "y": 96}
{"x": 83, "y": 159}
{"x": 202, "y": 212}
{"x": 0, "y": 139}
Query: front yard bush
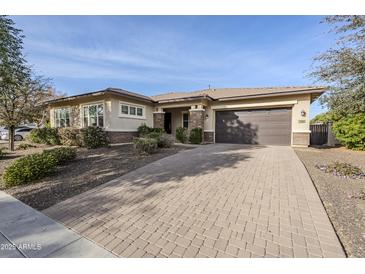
{"x": 165, "y": 140}
{"x": 62, "y": 154}
{"x": 350, "y": 131}
{"x": 182, "y": 135}
{"x": 143, "y": 130}
{"x": 196, "y": 136}
{"x": 48, "y": 136}
{"x": 145, "y": 145}
{"x": 94, "y": 137}
{"x": 70, "y": 136}
{"x": 29, "y": 168}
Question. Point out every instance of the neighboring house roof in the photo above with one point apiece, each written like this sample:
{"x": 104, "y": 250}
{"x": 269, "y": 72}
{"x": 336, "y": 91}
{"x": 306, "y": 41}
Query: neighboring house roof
{"x": 220, "y": 94}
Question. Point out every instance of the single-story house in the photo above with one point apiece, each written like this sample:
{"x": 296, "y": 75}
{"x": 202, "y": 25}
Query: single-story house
{"x": 267, "y": 116}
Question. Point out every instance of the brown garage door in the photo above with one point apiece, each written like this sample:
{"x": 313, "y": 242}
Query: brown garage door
{"x": 258, "y": 126}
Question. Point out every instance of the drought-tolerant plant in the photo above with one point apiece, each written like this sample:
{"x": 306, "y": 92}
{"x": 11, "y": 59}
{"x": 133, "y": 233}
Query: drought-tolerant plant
{"x": 145, "y": 145}
{"x": 143, "y": 130}
{"x": 94, "y": 137}
{"x": 196, "y": 136}
{"x": 48, "y": 136}
{"x": 182, "y": 135}
{"x": 62, "y": 154}
{"x": 342, "y": 170}
{"x": 70, "y": 136}
{"x": 29, "y": 168}
{"x": 25, "y": 146}
{"x": 350, "y": 131}
{"x": 165, "y": 140}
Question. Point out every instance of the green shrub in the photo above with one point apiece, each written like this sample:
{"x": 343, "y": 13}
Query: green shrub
{"x": 70, "y": 136}
{"x": 157, "y": 130}
{"x": 143, "y": 130}
{"x": 145, "y": 145}
{"x": 94, "y": 137}
{"x": 44, "y": 135}
{"x": 29, "y": 168}
{"x": 2, "y": 153}
{"x": 350, "y": 131}
{"x": 165, "y": 140}
{"x": 25, "y": 146}
{"x": 196, "y": 136}
{"x": 62, "y": 154}
{"x": 182, "y": 135}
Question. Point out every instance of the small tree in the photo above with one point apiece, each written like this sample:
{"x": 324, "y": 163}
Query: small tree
{"x": 21, "y": 94}
{"x": 342, "y": 67}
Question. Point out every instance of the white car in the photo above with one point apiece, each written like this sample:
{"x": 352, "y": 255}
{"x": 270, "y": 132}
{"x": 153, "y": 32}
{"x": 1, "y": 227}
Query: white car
{"x": 19, "y": 133}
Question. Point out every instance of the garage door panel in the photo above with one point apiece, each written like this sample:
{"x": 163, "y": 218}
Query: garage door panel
{"x": 269, "y": 126}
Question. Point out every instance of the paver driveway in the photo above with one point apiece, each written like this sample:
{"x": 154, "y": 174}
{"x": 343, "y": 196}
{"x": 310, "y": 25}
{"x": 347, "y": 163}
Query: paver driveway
{"x": 212, "y": 201}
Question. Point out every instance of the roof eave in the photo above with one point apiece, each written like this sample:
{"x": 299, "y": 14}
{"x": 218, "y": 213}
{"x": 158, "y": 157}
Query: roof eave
{"x": 190, "y": 98}
{"x": 284, "y": 93}
{"x": 97, "y": 93}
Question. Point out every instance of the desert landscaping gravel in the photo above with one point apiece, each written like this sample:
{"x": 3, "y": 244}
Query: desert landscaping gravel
{"x": 342, "y": 197}
{"x": 90, "y": 168}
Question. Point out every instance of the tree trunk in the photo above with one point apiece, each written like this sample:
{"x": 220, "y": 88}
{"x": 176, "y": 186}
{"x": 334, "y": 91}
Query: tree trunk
{"x": 11, "y": 138}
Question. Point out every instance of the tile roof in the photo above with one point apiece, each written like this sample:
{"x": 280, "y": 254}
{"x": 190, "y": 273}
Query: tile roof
{"x": 214, "y": 93}
{"x": 225, "y": 93}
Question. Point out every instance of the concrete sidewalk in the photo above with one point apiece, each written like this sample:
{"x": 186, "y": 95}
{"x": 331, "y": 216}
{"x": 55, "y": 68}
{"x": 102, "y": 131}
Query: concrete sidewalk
{"x": 25, "y": 232}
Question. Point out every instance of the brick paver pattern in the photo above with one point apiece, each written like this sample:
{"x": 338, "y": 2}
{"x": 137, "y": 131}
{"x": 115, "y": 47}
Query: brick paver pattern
{"x": 213, "y": 201}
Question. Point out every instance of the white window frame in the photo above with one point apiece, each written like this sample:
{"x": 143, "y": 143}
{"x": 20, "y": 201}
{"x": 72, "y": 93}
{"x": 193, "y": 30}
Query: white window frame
{"x": 135, "y": 116}
{"x": 182, "y": 118}
{"x": 89, "y": 105}
{"x": 55, "y": 119}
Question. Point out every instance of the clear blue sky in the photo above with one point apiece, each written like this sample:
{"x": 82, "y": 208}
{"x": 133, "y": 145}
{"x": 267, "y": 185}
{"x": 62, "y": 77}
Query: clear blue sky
{"x": 156, "y": 54}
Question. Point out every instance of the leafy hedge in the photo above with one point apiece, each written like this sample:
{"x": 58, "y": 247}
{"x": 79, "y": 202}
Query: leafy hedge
{"x": 196, "y": 136}
{"x": 145, "y": 145}
{"x": 182, "y": 135}
{"x": 36, "y": 166}
{"x": 44, "y": 135}
{"x": 29, "y": 168}
{"x": 144, "y": 130}
{"x": 94, "y": 137}
{"x": 90, "y": 137}
{"x": 70, "y": 136}
{"x": 350, "y": 131}
{"x": 62, "y": 154}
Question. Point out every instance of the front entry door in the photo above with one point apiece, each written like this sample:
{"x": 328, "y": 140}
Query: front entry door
{"x": 168, "y": 122}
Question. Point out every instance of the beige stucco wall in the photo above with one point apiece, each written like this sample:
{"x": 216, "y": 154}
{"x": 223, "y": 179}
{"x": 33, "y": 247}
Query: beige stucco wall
{"x": 118, "y": 123}
{"x": 112, "y": 119}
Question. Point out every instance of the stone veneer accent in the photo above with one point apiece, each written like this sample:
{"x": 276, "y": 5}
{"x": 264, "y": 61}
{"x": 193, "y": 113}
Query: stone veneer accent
{"x": 208, "y": 137}
{"x": 196, "y": 119}
{"x": 301, "y": 139}
{"x": 121, "y": 137}
{"x": 159, "y": 119}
